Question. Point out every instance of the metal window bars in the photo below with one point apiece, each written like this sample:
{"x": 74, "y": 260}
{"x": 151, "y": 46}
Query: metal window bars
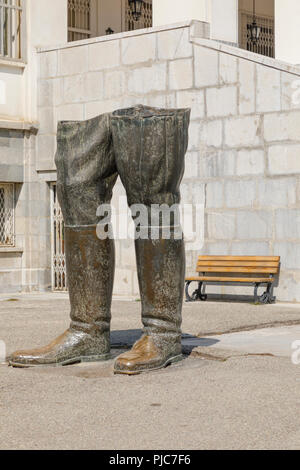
{"x": 79, "y": 20}
{"x": 145, "y": 20}
{"x": 266, "y": 41}
{"x": 10, "y": 28}
{"x": 58, "y": 265}
{"x": 7, "y": 215}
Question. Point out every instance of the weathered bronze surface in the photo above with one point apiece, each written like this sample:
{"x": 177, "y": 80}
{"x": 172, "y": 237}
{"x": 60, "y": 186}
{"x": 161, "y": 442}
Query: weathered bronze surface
{"x": 146, "y": 147}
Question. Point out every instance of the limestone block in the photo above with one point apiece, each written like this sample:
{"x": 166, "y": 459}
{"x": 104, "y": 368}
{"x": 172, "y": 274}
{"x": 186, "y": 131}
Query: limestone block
{"x": 283, "y": 126}
{"x": 148, "y": 79}
{"x": 193, "y": 99}
{"x": 290, "y": 91}
{"x": 214, "y": 195}
{"x": 181, "y": 74}
{"x": 243, "y": 131}
{"x": 287, "y": 224}
{"x": 211, "y": 133}
{"x": 138, "y": 49}
{"x": 191, "y": 165}
{"x": 277, "y": 192}
{"x": 84, "y": 87}
{"x": 217, "y": 164}
{"x": 221, "y": 101}
{"x": 174, "y": 44}
{"x": 247, "y": 87}
{"x": 94, "y": 108}
{"x": 268, "y": 89}
{"x": 206, "y": 67}
{"x": 48, "y": 64}
{"x": 70, "y": 112}
{"x": 250, "y": 248}
{"x": 104, "y": 55}
{"x": 254, "y": 224}
{"x": 73, "y": 60}
{"x": 221, "y": 225}
{"x": 166, "y": 100}
{"x": 289, "y": 253}
{"x": 288, "y": 288}
{"x": 240, "y": 193}
{"x": 47, "y": 120}
{"x": 228, "y": 69}
{"x": 283, "y": 159}
{"x": 250, "y": 162}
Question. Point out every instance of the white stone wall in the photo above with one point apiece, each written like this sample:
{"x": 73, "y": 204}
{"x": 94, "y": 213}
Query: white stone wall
{"x": 242, "y": 161}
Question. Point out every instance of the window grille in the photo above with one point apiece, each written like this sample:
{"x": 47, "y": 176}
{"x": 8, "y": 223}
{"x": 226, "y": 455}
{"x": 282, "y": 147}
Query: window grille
{"x": 59, "y": 275}
{"x": 10, "y": 28}
{"x": 266, "y": 41}
{"x": 7, "y": 216}
{"x": 144, "y": 22}
{"x": 79, "y": 19}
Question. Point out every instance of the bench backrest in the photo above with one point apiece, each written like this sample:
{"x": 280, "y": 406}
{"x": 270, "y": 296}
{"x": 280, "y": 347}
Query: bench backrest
{"x": 238, "y": 264}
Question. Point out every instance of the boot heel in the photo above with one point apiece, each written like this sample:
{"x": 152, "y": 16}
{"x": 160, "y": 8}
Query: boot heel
{"x": 98, "y": 358}
{"x": 174, "y": 359}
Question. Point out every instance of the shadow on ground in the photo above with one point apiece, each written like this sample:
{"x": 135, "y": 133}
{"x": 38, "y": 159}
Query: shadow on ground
{"x": 124, "y": 339}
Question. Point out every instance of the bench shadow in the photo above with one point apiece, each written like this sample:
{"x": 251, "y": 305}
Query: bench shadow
{"x": 124, "y": 339}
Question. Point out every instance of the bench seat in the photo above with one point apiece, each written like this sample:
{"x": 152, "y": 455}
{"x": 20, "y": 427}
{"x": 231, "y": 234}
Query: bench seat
{"x": 231, "y": 279}
{"x": 263, "y": 268}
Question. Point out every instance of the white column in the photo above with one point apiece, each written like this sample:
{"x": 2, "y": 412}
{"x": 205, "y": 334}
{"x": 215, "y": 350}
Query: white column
{"x": 287, "y": 30}
{"x": 48, "y": 22}
{"x": 46, "y": 26}
{"x": 175, "y": 11}
{"x": 224, "y": 20}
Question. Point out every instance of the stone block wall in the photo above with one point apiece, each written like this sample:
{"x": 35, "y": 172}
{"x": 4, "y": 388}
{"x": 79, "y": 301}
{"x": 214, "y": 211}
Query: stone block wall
{"x": 243, "y": 156}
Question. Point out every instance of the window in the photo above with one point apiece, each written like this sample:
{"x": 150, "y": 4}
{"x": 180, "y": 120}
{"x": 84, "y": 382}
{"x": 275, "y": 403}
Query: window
{"x": 79, "y": 20}
{"x": 266, "y": 41}
{"x": 10, "y": 28}
{"x": 144, "y": 22}
{"x": 7, "y": 216}
{"x": 58, "y": 265}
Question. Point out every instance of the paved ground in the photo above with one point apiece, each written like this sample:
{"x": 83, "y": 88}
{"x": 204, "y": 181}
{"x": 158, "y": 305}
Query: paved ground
{"x": 233, "y": 390}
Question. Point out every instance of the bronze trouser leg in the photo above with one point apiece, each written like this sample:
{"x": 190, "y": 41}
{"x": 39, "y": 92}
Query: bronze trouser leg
{"x": 151, "y": 165}
{"x": 86, "y": 174}
{"x": 161, "y": 270}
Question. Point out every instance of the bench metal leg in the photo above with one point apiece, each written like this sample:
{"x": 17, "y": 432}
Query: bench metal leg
{"x": 267, "y": 297}
{"x": 198, "y": 294}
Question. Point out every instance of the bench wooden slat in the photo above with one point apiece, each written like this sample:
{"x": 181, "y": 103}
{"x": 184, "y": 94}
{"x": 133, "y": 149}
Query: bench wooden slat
{"x": 238, "y": 258}
{"x": 254, "y": 264}
{"x": 209, "y": 269}
{"x": 230, "y": 279}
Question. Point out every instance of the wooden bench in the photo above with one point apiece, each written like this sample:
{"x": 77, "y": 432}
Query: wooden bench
{"x": 226, "y": 269}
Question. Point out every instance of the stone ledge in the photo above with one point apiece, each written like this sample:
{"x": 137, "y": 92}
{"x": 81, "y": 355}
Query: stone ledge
{"x": 6, "y": 62}
{"x": 19, "y": 125}
{"x": 113, "y": 37}
{"x": 220, "y": 46}
{"x": 10, "y": 249}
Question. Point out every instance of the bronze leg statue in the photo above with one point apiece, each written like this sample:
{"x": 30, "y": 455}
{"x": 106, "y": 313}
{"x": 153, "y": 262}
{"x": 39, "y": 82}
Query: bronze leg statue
{"x": 150, "y": 145}
{"x": 86, "y": 174}
{"x": 146, "y": 146}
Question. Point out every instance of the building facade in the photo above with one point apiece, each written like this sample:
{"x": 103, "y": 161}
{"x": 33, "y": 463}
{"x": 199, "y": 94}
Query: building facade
{"x": 242, "y": 164}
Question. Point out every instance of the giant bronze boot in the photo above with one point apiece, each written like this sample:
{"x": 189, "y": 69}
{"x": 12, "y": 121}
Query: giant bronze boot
{"x": 86, "y": 174}
{"x": 150, "y": 145}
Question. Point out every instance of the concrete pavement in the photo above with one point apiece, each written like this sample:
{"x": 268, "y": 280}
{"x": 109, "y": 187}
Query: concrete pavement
{"x": 228, "y": 393}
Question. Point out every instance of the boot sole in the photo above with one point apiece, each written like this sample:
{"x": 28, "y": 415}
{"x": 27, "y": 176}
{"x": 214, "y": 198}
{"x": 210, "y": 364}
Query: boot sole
{"x": 171, "y": 360}
{"x": 67, "y": 362}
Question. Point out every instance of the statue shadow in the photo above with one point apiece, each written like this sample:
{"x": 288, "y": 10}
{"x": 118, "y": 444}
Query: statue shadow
{"x": 124, "y": 339}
